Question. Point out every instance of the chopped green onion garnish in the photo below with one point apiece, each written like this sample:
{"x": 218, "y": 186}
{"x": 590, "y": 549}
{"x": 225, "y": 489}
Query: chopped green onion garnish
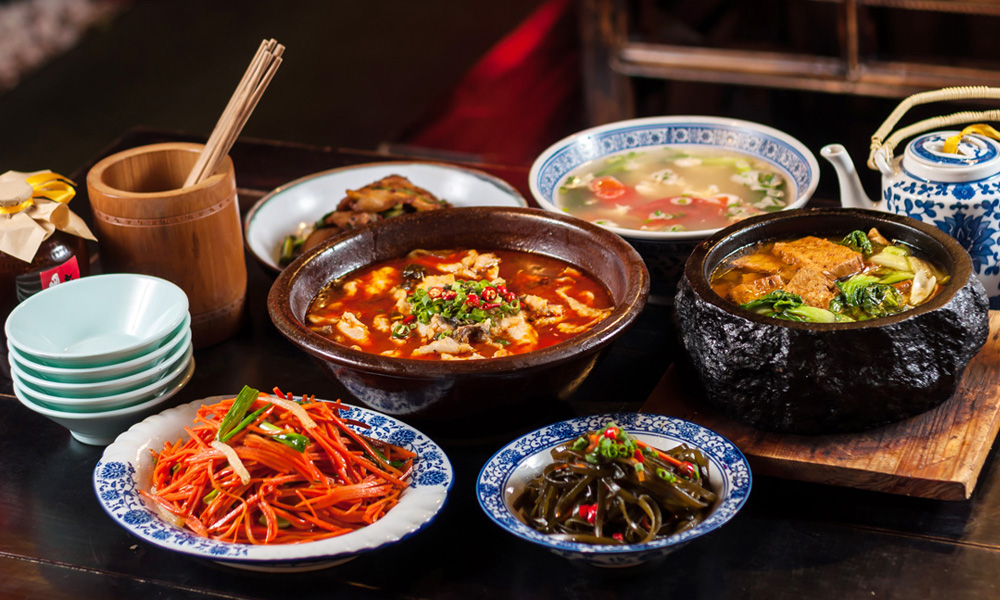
{"x": 235, "y": 414}
{"x": 295, "y": 441}
{"x": 246, "y": 421}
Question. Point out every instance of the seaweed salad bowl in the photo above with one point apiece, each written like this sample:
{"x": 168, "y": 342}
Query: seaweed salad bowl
{"x": 507, "y": 473}
{"x": 838, "y": 377}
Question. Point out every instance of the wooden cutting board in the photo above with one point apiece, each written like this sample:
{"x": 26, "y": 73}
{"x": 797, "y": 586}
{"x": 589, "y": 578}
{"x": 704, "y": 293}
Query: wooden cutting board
{"x": 938, "y": 454}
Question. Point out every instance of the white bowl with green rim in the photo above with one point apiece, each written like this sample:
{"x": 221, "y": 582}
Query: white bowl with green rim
{"x": 108, "y": 402}
{"x": 97, "y": 320}
{"x": 101, "y": 428}
{"x": 82, "y": 375}
{"x": 108, "y": 388}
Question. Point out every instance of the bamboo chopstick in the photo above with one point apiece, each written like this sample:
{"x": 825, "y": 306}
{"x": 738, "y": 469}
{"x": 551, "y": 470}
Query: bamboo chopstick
{"x": 241, "y": 104}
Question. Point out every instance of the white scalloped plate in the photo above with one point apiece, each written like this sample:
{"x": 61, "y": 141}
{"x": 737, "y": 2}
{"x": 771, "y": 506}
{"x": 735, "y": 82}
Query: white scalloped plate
{"x": 296, "y": 205}
{"x": 126, "y": 467}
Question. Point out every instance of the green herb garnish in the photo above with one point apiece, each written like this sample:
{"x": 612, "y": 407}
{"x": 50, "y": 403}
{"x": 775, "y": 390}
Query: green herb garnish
{"x": 858, "y": 241}
{"x": 295, "y": 441}
{"x": 233, "y": 422}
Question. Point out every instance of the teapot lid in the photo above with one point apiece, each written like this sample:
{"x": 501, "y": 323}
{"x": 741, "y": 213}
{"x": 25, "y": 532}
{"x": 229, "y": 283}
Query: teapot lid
{"x": 978, "y": 157}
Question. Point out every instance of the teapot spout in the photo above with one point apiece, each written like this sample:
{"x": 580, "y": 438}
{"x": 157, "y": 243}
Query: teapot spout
{"x": 852, "y": 195}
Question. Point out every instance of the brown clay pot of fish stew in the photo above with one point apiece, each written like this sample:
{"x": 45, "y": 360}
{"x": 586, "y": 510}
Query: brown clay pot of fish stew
{"x": 450, "y": 390}
{"x": 813, "y": 378}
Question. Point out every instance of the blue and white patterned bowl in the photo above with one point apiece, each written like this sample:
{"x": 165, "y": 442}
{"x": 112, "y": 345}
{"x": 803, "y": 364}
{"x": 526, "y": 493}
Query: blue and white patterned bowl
{"x": 788, "y": 155}
{"x": 505, "y": 475}
{"x": 665, "y": 252}
{"x": 126, "y": 467}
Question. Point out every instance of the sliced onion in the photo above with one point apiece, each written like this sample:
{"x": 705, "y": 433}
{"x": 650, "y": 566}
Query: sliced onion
{"x": 296, "y": 409}
{"x": 875, "y": 236}
{"x": 923, "y": 285}
{"x": 234, "y": 460}
{"x": 923, "y": 281}
{"x": 168, "y": 516}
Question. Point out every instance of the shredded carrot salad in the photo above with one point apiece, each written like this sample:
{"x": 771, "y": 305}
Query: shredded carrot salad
{"x": 280, "y": 476}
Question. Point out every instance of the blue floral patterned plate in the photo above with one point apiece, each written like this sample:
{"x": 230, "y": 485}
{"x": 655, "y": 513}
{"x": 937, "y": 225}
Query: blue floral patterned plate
{"x": 126, "y": 467}
{"x": 505, "y": 475}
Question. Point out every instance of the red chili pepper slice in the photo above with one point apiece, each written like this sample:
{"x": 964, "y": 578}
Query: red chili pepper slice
{"x": 502, "y": 289}
{"x": 588, "y": 512}
{"x": 489, "y": 294}
{"x": 409, "y": 319}
{"x": 611, "y": 433}
{"x": 449, "y": 295}
{"x": 618, "y": 536}
{"x": 607, "y": 187}
{"x": 435, "y": 292}
{"x": 472, "y": 300}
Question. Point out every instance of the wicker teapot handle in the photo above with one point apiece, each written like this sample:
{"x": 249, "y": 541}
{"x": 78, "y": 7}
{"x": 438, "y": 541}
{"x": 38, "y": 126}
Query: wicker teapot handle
{"x": 880, "y": 156}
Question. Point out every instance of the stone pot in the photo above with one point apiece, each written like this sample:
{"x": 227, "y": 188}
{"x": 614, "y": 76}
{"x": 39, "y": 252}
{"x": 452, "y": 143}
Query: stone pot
{"x": 839, "y": 377}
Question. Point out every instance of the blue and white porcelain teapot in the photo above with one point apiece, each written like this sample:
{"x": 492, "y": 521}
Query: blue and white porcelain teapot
{"x": 947, "y": 178}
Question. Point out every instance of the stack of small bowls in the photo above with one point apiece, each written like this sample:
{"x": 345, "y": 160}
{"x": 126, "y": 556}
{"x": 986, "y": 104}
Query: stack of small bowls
{"x": 100, "y": 353}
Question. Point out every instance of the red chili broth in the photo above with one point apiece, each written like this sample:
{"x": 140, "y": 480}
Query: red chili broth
{"x": 525, "y": 273}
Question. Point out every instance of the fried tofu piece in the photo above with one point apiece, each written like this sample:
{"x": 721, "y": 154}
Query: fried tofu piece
{"x": 811, "y": 252}
{"x": 745, "y": 292}
{"x": 813, "y": 287}
{"x": 767, "y": 264}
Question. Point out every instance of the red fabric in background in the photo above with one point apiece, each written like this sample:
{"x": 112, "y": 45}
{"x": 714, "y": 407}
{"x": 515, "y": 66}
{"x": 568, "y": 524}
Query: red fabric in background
{"x": 522, "y": 96}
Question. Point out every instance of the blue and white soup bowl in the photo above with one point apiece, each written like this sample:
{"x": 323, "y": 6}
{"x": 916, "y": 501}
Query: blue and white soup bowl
{"x": 959, "y": 193}
{"x": 508, "y": 472}
{"x": 665, "y": 251}
{"x": 787, "y": 155}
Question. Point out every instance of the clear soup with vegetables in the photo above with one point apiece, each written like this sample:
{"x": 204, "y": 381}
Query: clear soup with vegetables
{"x": 673, "y": 189}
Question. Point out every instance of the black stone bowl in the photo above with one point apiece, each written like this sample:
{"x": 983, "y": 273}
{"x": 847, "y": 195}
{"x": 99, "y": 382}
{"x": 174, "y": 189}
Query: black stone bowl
{"x": 829, "y": 378}
{"x": 432, "y": 390}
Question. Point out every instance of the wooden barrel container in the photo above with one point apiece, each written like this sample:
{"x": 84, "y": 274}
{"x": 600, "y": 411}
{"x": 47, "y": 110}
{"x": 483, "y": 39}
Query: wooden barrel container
{"x": 146, "y": 222}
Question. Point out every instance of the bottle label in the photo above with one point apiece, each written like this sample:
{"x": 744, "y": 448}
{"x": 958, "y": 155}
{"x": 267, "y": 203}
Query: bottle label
{"x": 29, "y": 284}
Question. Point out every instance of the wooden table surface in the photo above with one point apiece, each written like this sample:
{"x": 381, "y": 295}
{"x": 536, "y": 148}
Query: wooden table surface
{"x": 791, "y": 540}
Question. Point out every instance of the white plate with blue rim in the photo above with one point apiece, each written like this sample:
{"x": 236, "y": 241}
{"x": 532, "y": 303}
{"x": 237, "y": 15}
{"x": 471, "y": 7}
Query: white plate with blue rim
{"x": 506, "y": 474}
{"x": 294, "y": 207}
{"x": 126, "y": 467}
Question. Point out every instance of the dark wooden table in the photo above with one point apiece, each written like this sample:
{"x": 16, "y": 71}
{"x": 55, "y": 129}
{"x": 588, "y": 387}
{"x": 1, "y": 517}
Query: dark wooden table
{"x": 792, "y": 540}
